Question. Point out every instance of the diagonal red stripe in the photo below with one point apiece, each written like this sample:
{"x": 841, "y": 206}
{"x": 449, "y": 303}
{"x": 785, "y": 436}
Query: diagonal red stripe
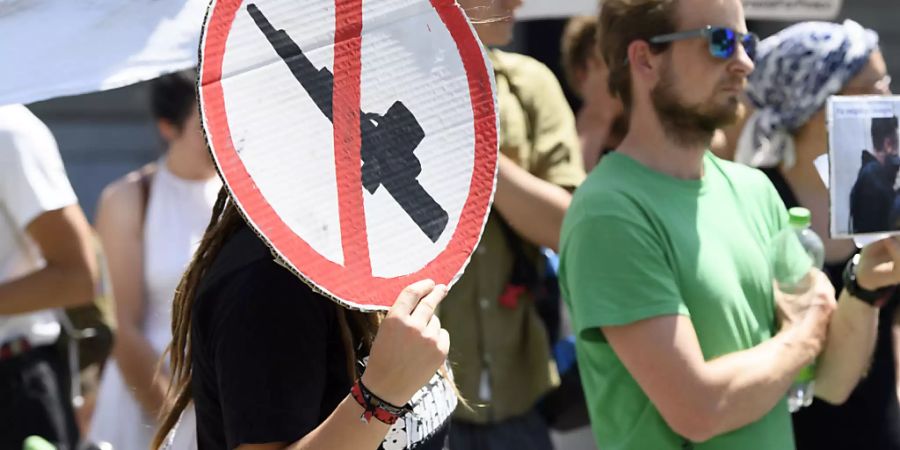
{"x": 346, "y": 102}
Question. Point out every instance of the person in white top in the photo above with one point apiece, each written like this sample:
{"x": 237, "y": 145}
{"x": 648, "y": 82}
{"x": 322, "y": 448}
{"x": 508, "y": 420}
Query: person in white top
{"x": 46, "y": 262}
{"x": 150, "y": 222}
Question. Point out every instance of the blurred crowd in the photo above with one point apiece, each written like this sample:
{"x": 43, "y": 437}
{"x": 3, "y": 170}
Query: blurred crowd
{"x": 623, "y": 281}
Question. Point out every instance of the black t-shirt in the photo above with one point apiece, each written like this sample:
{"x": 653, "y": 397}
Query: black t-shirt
{"x": 268, "y": 360}
{"x": 870, "y": 419}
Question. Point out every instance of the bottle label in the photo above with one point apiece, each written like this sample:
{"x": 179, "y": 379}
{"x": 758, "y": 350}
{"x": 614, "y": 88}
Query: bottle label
{"x": 806, "y": 374}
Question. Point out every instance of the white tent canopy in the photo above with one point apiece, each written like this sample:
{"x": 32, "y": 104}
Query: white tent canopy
{"x": 54, "y": 48}
{"x": 754, "y": 9}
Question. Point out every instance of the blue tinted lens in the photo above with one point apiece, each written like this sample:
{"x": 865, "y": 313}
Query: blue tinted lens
{"x": 721, "y": 42}
{"x": 749, "y": 42}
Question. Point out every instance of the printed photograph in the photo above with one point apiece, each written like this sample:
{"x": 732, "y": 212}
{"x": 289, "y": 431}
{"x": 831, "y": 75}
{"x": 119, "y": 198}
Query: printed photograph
{"x": 864, "y": 161}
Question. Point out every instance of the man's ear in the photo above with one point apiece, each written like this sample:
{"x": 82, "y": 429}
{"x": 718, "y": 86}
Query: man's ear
{"x": 580, "y": 75}
{"x": 643, "y": 62}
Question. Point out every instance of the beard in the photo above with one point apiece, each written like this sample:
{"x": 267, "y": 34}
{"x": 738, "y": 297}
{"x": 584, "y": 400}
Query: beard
{"x": 690, "y": 125}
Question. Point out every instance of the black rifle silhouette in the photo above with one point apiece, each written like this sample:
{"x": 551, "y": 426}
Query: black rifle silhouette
{"x": 388, "y": 141}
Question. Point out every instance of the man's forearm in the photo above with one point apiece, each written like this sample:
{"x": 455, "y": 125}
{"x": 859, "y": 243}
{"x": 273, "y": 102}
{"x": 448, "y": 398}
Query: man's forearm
{"x": 534, "y": 208}
{"x": 700, "y": 398}
{"x": 50, "y": 287}
{"x": 848, "y": 351}
{"x": 743, "y": 387}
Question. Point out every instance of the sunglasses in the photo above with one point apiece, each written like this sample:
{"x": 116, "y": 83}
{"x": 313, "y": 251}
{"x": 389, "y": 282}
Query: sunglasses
{"x": 722, "y": 41}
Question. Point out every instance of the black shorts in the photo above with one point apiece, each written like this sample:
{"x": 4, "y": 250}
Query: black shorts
{"x": 35, "y": 400}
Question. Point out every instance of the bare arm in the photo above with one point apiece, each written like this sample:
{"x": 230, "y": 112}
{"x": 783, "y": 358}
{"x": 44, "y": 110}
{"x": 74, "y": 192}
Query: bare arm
{"x": 118, "y": 224}
{"x": 701, "y": 399}
{"x": 848, "y": 352}
{"x": 854, "y": 327}
{"x": 70, "y": 274}
{"x": 341, "y": 430}
{"x": 534, "y": 208}
{"x": 532, "y": 201}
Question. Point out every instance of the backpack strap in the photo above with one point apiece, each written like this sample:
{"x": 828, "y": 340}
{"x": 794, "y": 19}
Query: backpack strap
{"x": 524, "y": 271}
{"x": 146, "y": 181}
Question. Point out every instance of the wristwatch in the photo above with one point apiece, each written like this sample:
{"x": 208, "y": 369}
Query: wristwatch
{"x": 876, "y": 298}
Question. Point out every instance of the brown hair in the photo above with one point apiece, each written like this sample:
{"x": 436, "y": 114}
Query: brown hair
{"x": 357, "y": 329}
{"x": 173, "y": 97}
{"x": 622, "y": 22}
{"x": 579, "y": 44}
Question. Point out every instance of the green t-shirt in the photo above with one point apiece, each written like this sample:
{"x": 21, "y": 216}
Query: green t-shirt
{"x": 638, "y": 244}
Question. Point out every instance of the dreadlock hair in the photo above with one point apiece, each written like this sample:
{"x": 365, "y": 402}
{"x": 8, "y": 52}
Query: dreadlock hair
{"x": 358, "y": 329}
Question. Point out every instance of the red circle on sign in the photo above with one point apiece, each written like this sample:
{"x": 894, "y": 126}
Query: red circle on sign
{"x": 351, "y": 287}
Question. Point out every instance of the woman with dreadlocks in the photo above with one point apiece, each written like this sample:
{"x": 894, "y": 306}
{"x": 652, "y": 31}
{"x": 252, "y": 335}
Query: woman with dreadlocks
{"x": 267, "y": 363}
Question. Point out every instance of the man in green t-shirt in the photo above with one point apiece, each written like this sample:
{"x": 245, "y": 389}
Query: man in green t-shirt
{"x": 681, "y": 341}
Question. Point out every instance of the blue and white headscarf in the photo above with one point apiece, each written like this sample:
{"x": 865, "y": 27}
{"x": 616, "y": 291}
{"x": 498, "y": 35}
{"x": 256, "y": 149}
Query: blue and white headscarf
{"x": 796, "y": 71}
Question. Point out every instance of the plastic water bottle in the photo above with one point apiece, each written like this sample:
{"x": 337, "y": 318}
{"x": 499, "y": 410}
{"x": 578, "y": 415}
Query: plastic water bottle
{"x": 795, "y": 252}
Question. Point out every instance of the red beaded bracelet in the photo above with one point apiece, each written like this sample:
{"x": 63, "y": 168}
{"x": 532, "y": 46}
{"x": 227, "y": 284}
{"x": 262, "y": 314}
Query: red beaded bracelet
{"x": 376, "y": 407}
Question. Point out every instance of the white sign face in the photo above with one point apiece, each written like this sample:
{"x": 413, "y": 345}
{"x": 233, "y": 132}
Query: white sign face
{"x": 789, "y": 10}
{"x": 364, "y": 155}
{"x": 863, "y": 143}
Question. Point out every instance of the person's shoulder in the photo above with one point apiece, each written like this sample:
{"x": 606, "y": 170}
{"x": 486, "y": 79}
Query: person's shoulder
{"x": 124, "y": 196}
{"x": 607, "y": 191}
{"x": 524, "y": 70}
{"x": 128, "y": 184}
{"x": 517, "y": 62}
{"x": 754, "y": 186}
{"x": 246, "y": 264}
{"x": 242, "y": 249}
{"x": 738, "y": 173}
{"x": 869, "y": 165}
{"x": 246, "y": 284}
{"x": 23, "y": 135}
{"x": 17, "y": 119}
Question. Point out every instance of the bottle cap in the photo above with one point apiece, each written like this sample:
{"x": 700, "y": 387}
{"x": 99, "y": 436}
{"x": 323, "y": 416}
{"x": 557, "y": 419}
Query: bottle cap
{"x": 37, "y": 443}
{"x": 800, "y": 217}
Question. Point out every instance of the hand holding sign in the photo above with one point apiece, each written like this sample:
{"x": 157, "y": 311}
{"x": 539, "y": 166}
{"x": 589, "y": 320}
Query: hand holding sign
{"x": 410, "y": 345}
{"x": 879, "y": 264}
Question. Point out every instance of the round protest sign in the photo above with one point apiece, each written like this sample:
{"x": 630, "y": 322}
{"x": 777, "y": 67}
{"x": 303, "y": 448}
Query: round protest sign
{"x": 359, "y": 138}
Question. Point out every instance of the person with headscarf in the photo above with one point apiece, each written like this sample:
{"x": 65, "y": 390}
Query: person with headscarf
{"x": 796, "y": 71}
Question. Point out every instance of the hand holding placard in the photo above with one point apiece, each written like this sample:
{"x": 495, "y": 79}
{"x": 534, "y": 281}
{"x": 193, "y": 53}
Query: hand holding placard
{"x": 410, "y": 345}
{"x": 879, "y": 265}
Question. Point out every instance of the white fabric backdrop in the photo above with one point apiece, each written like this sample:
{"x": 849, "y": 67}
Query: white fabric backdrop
{"x": 54, "y": 48}
{"x": 755, "y": 9}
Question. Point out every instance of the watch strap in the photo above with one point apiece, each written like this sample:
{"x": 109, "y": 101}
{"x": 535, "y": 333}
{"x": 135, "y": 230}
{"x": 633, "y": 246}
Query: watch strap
{"x": 876, "y": 298}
